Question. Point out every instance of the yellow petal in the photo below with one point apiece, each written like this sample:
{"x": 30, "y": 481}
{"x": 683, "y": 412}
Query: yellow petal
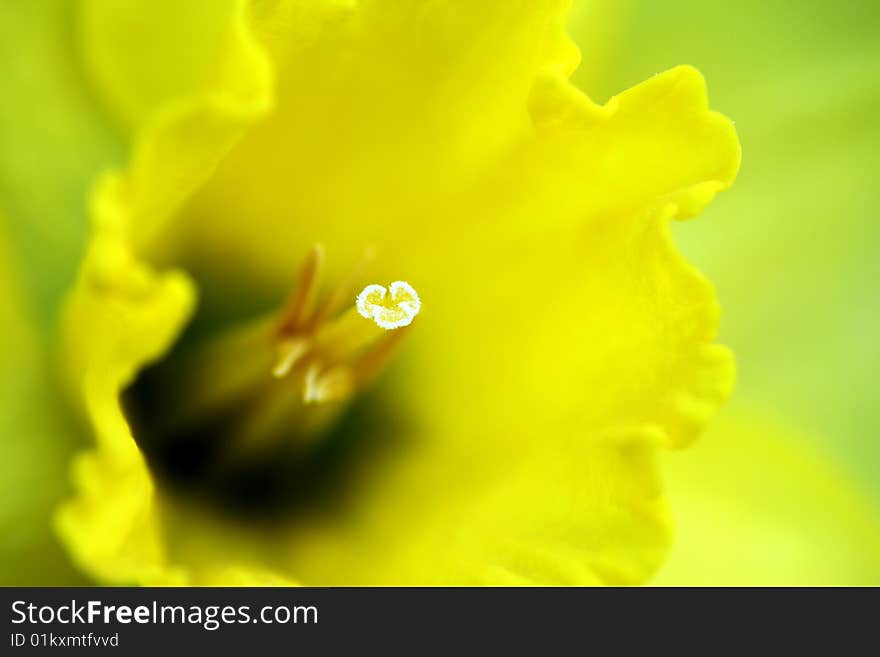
{"x": 564, "y": 338}
{"x": 755, "y": 506}
{"x": 112, "y": 527}
{"x": 383, "y": 112}
{"x": 795, "y": 245}
{"x": 402, "y": 509}
{"x": 567, "y": 318}
{"x": 581, "y": 517}
{"x": 120, "y": 316}
{"x": 119, "y": 530}
{"x": 189, "y": 78}
{"x": 568, "y": 297}
{"x": 143, "y": 55}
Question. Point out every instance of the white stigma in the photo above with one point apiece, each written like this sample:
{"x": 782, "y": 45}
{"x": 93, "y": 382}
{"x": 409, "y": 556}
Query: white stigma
{"x": 390, "y": 308}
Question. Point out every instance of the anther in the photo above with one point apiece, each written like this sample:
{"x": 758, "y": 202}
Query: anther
{"x": 289, "y": 352}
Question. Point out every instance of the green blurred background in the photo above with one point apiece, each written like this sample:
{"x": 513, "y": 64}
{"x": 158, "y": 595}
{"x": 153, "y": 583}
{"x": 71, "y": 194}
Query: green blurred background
{"x": 785, "y": 486}
{"x": 793, "y": 251}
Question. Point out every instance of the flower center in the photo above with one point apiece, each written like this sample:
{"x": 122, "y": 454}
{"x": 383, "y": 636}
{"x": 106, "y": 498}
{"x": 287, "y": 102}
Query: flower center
{"x": 225, "y": 416}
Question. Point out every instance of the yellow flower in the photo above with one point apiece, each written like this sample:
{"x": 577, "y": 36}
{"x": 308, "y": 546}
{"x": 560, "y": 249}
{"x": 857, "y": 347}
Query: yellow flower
{"x": 561, "y": 339}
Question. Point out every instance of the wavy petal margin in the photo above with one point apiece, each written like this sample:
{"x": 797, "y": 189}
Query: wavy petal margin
{"x": 122, "y": 315}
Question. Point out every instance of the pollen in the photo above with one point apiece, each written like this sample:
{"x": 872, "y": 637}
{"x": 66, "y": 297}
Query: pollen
{"x": 391, "y": 308}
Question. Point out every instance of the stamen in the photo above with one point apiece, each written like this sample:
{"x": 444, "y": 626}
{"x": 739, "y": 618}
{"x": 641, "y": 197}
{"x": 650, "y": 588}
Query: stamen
{"x": 311, "y": 392}
{"x": 298, "y": 308}
{"x": 390, "y": 308}
{"x": 330, "y": 355}
{"x": 368, "y": 367}
{"x": 286, "y": 376}
{"x": 341, "y": 294}
{"x": 326, "y": 386}
{"x": 289, "y": 352}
